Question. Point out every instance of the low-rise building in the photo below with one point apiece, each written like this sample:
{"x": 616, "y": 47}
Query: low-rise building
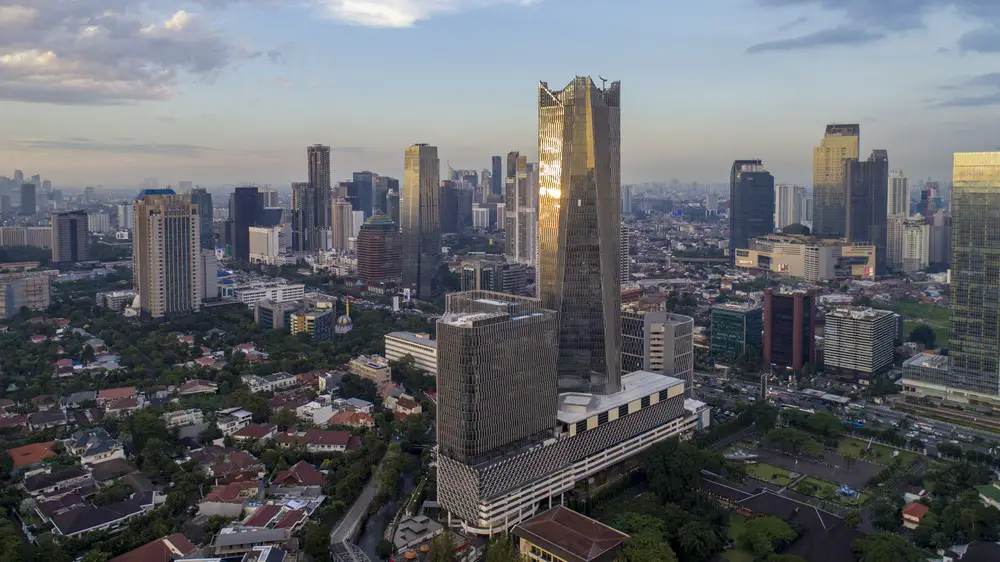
{"x": 182, "y": 418}
{"x": 228, "y": 499}
{"x": 27, "y": 456}
{"x": 52, "y": 485}
{"x": 95, "y": 446}
{"x": 256, "y": 432}
{"x": 88, "y": 518}
{"x": 232, "y": 420}
{"x": 197, "y": 386}
{"x": 563, "y": 534}
{"x": 275, "y": 291}
{"x": 109, "y": 395}
{"x": 913, "y": 515}
{"x": 372, "y": 367}
{"x": 300, "y": 474}
{"x": 269, "y": 383}
{"x": 420, "y": 347}
{"x": 807, "y": 257}
{"x": 166, "y": 549}
{"x": 232, "y": 541}
{"x": 316, "y": 441}
{"x": 38, "y": 421}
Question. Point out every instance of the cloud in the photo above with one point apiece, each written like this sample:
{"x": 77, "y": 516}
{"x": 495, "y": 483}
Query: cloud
{"x": 873, "y": 20}
{"x": 986, "y": 88}
{"x": 794, "y": 23}
{"x": 401, "y": 13}
{"x": 88, "y": 145}
{"x": 823, "y": 38}
{"x": 104, "y": 52}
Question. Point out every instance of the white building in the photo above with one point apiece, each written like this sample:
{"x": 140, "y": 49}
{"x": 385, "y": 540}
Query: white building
{"x": 274, "y": 291}
{"x": 899, "y": 194}
{"x": 481, "y": 217}
{"x": 99, "y": 223}
{"x": 909, "y": 243}
{"x": 183, "y": 418}
{"x": 265, "y": 244}
{"x": 419, "y": 346}
{"x": 859, "y": 341}
{"x": 125, "y": 221}
{"x": 269, "y": 383}
{"x": 232, "y": 420}
{"x": 788, "y": 201}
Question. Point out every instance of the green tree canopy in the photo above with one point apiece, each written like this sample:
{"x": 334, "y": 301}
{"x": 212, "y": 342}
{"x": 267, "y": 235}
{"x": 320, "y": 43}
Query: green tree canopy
{"x": 886, "y": 547}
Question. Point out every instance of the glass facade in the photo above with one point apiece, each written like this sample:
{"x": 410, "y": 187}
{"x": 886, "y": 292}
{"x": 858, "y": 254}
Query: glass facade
{"x": 751, "y": 193}
{"x": 736, "y": 331}
{"x": 421, "y": 224}
{"x": 829, "y": 197}
{"x": 975, "y": 272}
{"x": 867, "y": 187}
{"x": 319, "y": 179}
{"x": 579, "y": 208}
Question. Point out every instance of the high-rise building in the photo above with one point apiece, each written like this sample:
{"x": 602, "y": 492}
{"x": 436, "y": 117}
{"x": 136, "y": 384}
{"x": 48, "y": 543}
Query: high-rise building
{"x": 899, "y": 194}
{"x": 788, "y": 201}
{"x": 269, "y": 197}
{"x": 28, "y": 204}
{"x": 737, "y": 331}
{"x": 421, "y": 225}
{"x": 940, "y": 240}
{"x": 247, "y": 211}
{"x": 318, "y": 324}
{"x": 659, "y": 342}
{"x": 859, "y": 342}
{"x": 625, "y": 259}
{"x": 342, "y": 226}
{"x": 500, "y": 277}
{"x": 34, "y": 236}
{"x": 319, "y": 181}
{"x": 829, "y": 197}
{"x": 99, "y": 222}
{"x": 579, "y": 229}
{"x": 626, "y": 200}
{"x": 265, "y": 245}
{"x": 867, "y": 186}
{"x": 520, "y": 215}
{"x": 909, "y": 243}
{"x": 208, "y": 275}
{"x": 379, "y": 250}
{"x": 70, "y": 237}
{"x": 303, "y": 216}
{"x": 496, "y": 177}
{"x": 383, "y": 186}
{"x": 166, "y": 253}
{"x": 789, "y": 329}
{"x": 364, "y": 187}
{"x": 392, "y": 206}
{"x": 975, "y": 250}
{"x": 125, "y": 221}
{"x": 201, "y": 197}
{"x": 29, "y": 290}
{"x": 751, "y": 203}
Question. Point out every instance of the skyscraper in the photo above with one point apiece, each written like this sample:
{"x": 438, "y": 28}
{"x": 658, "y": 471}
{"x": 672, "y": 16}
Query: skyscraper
{"x": 201, "y": 197}
{"x": 392, "y": 206}
{"x": 625, "y": 259}
{"x": 383, "y": 186}
{"x": 788, "y": 201}
{"x": 975, "y": 286}
{"x": 379, "y": 251}
{"x": 789, "y": 329}
{"x": 303, "y": 216}
{"x": 319, "y": 180}
{"x": 70, "y": 238}
{"x": 627, "y": 200}
{"x": 247, "y": 211}
{"x": 751, "y": 203}
{"x": 496, "y": 177}
{"x": 867, "y": 186}
{"x": 899, "y": 194}
{"x": 829, "y": 198}
{"x": 579, "y": 228}
{"x": 342, "y": 228}
{"x": 520, "y": 215}
{"x": 165, "y": 254}
{"x": 421, "y": 226}
{"x": 28, "y": 203}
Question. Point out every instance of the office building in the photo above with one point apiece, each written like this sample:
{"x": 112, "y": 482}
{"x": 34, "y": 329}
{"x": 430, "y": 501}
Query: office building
{"x": 975, "y": 251}
{"x": 99, "y": 222}
{"x": 115, "y": 300}
{"x": 500, "y": 277}
{"x": 421, "y": 226}
{"x": 342, "y": 224}
{"x": 579, "y": 229}
{"x": 392, "y": 206}
{"x": 789, "y": 329}
{"x": 456, "y": 207}
{"x": 380, "y": 251}
{"x": 940, "y": 240}
{"x": 810, "y": 258}
{"x": 659, "y": 342}
{"x": 70, "y": 237}
{"x": 751, "y": 203}
{"x": 829, "y": 206}
{"x": 209, "y": 275}
{"x": 269, "y": 197}
{"x": 247, "y": 211}
{"x": 899, "y": 194}
{"x": 28, "y": 202}
{"x": 34, "y": 236}
{"x": 166, "y": 253}
{"x": 481, "y": 217}
{"x": 125, "y": 222}
{"x": 372, "y": 367}
{"x": 626, "y": 200}
{"x": 909, "y": 245}
{"x": 737, "y": 331}
{"x": 420, "y": 347}
{"x": 254, "y": 292}
{"x": 25, "y": 290}
{"x": 274, "y": 315}
{"x": 303, "y": 217}
{"x": 203, "y": 199}
{"x": 788, "y": 201}
{"x": 625, "y": 259}
{"x": 265, "y": 245}
{"x": 497, "y": 176}
{"x": 867, "y": 187}
{"x": 859, "y": 342}
{"x": 317, "y": 324}
{"x": 318, "y": 157}
{"x": 520, "y": 214}
{"x": 364, "y": 188}
{"x": 385, "y": 185}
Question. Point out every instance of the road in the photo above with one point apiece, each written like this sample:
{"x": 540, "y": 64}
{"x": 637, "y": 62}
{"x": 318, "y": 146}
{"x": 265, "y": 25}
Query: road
{"x": 345, "y": 529}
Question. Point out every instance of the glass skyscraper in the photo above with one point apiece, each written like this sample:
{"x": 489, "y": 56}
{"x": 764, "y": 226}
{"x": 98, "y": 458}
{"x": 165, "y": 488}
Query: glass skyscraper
{"x": 579, "y": 228}
{"x": 975, "y": 273}
{"x": 829, "y": 196}
{"x": 421, "y": 223}
{"x": 751, "y": 196}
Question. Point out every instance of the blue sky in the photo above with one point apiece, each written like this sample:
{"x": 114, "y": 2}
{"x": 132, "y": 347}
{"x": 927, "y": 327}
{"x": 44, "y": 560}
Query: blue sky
{"x": 227, "y": 91}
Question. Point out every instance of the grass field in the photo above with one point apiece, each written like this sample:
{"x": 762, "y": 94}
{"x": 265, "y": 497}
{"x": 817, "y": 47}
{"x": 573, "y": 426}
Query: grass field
{"x": 931, "y": 315}
{"x": 879, "y": 453}
{"x": 827, "y": 491}
{"x": 769, "y": 473}
{"x": 736, "y": 524}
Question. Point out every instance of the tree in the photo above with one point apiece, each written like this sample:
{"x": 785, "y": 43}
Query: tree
{"x": 503, "y": 548}
{"x": 647, "y": 546}
{"x": 886, "y": 547}
{"x": 764, "y": 535}
{"x": 96, "y": 555}
{"x": 924, "y": 335}
{"x": 285, "y": 418}
{"x": 383, "y": 549}
{"x": 886, "y": 511}
{"x": 316, "y": 541}
{"x": 672, "y": 468}
{"x": 442, "y": 549}
{"x": 785, "y": 558}
{"x": 852, "y": 518}
{"x": 696, "y": 540}
{"x": 792, "y": 441}
{"x": 10, "y": 542}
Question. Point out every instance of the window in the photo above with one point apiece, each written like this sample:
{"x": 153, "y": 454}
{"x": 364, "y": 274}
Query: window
{"x": 622, "y": 411}
{"x": 581, "y": 426}
{"x": 645, "y": 402}
{"x": 663, "y": 395}
{"x": 602, "y": 418}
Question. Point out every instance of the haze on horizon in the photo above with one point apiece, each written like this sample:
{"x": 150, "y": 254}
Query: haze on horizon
{"x": 221, "y": 92}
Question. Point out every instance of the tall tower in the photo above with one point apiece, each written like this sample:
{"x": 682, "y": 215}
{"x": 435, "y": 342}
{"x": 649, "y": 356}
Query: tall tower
{"x": 829, "y": 198}
{"x": 421, "y": 225}
{"x": 579, "y": 227}
{"x": 899, "y": 194}
{"x": 28, "y": 202}
{"x": 625, "y": 259}
{"x": 70, "y": 239}
{"x": 865, "y": 218}
{"x": 303, "y": 216}
{"x": 379, "y": 251}
{"x": 319, "y": 179}
{"x": 248, "y": 210}
{"x": 342, "y": 226}
{"x": 975, "y": 249}
{"x": 201, "y": 197}
{"x": 520, "y": 220}
{"x": 751, "y": 203}
{"x": 166, "y": 254}
{"x": 496, "y": 177}
{"x": 788, "y": 200}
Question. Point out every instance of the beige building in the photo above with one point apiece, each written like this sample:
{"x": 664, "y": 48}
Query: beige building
{"x": 840, "y": 142}
{"x": 34, "y": 236}
{"x": 372, "y": 367}
{"x": 343, "y": 224}
{"x": 24, "y": 290}
{"x": 419, "y": 346}
{"x": 166, "y": 254}
{"x": 909, "y": 247}
{"x": 810, "y": 258}
{"x": 265, "y": 244}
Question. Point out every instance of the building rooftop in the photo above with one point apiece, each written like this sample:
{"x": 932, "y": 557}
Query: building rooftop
{"x": 858, "y": 313}
{"x": 253, "y": 535}
{"x": 927, "y": 360}
{"x": 413, "y": 338}
{"x": 737, "y": 307}
{"x": 577, "y": 406}
{"x": 570, "y": 535}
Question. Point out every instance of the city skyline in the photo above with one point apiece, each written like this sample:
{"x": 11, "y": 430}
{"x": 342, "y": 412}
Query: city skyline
{"x": 214, "y": 105}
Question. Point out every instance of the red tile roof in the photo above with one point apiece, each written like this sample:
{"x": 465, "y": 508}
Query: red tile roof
{"x": 130, "y": 403}
{"x": 352, "y": 419}
{"x": 31, "y": 454}
{"x": 301, "y": 474}
{"x": 115, "y": 393}
{"x": 291, "y": 519}
{"x": 237, "y": 492}
{"x": 262, "y": 516}
{"x": 256, "y": 431}
{"x": 570, "y": 535}
{"x": 916, "y": 510}
{"x": 315, "y": 437}
{"x": 160, "y": 550}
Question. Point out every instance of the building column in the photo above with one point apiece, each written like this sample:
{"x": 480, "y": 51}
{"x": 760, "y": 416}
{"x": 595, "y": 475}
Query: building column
{"x": 797, "y": 329}
{"x": 768, "y": 320}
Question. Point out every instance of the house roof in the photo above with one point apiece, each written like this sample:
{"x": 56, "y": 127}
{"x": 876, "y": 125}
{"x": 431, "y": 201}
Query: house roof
{"x": 570, "y": 535}
{"x": 38, "y": 482}
{"x": 88, "y": 517}
{"x": 113, "y": 468}
{"x": 129, "y": 403}
{"x": 351, "y": 418}
{"x": 47, "y": 417}
{"x": 237, "y": 492}
{"x": 916, "y": 510}
{"x": 31, "y": 454}
{"x": 256, "y": 430}
{"x": 61, "y": 504}
{"x": 94, "y": 441}
{"x": 290, "y": 519}
{"x": 301, "y": 474}
{"x": 115, "y": 393}
{"x": 166, "y": 549}
{"x": 262, "y": 516}
{"x": 198, "y": 383}
{"x": 316, "y": 437}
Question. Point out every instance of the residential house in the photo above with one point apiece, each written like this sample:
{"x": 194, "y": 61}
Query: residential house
{"x": 405, "y": 406}
{"x": 106, "y": 396}
{"x": 166, "y": 549}
{"x": 269, "y": 383}
{"x": 197, "y": 386}
{"x": 913, "y": 494}
{"x": 226, "y": 464}
{"x": 913, "y": 514}
{"x": 186, "y": 340}
{"x": 292, "y": 520}
{"x": 13, "y": 424}
{"x": 353, "y": 419}
{"x": 38, "y": 421}
{"x": 414, "y": 531}
{"x": 49, "y": 508}
{"x": 330, "y": 382}
{"x": 6, "y": 404}
{"x": 256, "y": 432}
{"x": 95, "y": 446}
{"x": 52, "y": 485}
{"x": 245, "y": 348}
{"x": 108, "y": 471}
{"x": 356, "y": 404}
{"x": 300, "y": 474}
{"x": 124, "y": 406}
{"x": 317, "y": 441}
{"x": 182, "y": 418}
{"x": 315, "y": 413}
{"x": 31, "y": 455}
{"x": 263, "y": 515}
{"x": 45, "y": 402}
{"x": 231, "y": 541}
{"x": 78, "y": 400}
{"x": 372, "y": 367}
{"x": 88, "y": 518}
{"x": 232, "y": 420}
{"x": 229, "y": 499}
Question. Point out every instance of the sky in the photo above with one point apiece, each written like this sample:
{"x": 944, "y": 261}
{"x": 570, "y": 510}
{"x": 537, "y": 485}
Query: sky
{"x": 221, "y": 92}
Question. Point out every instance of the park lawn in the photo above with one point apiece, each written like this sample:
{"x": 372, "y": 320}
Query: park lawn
{"x": 916, "y": 314}
{"x": 736, "y": 554}
{"x": 769, "y": 473}
{"x": 827, "y": 491}
{"x": 879, "y": 453}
